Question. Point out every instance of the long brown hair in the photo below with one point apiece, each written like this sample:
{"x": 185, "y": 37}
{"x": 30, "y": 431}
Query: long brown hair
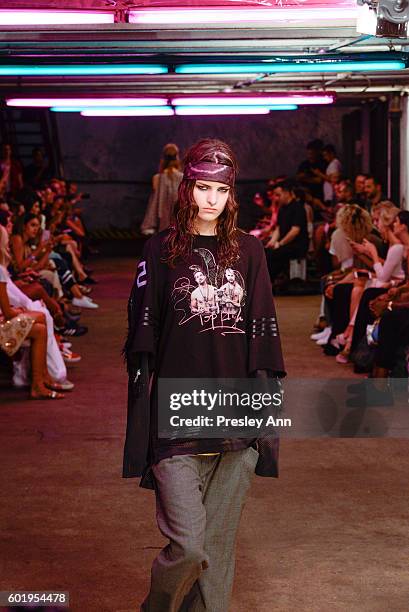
{"x": 170, "y": 158}
{"x": 180, "y": 239}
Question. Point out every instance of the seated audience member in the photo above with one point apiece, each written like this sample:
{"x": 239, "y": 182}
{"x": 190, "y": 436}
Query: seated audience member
{"x": 392, "y": 312}
{"x": 46, "y": 256}
{"x": 306, "y": 174}
{"x": 54, "y": 366}
{"x": 269, "y": 222}
{"x": 383, "y": 274}
{"x": 290, "y": 238}
{"x": 17, "y": 325}
{"x": 359, "y": 188}
{"x": 399, "y": 250}
{"x": 373, "y": 192}
{"x": 352, "y": 225}
{"x": 332, "y": 172}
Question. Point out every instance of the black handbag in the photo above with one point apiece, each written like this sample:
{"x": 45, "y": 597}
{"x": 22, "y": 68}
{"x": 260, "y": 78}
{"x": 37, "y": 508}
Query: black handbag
{"x": 364, "y": 355}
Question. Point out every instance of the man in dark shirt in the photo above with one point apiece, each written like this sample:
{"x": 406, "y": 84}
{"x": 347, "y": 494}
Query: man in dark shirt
{"x": 290, "y": 238}
{"x": 372, "y": 192}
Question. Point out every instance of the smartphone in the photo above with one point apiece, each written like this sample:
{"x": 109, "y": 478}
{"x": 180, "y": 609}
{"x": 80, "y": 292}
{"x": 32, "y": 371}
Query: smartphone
{"x": 362, "y": 274}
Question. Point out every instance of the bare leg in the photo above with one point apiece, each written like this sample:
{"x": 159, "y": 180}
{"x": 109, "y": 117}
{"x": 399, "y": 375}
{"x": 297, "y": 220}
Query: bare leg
{"x": 40, "y": 374}
{"x": 76, "y": 263}
{"x": 76, "y": 291}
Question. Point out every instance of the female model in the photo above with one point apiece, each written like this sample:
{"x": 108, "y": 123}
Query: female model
{"x": 178, "y": 328}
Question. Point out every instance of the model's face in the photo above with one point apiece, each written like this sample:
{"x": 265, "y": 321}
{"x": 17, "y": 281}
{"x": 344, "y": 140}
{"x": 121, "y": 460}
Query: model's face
{"x": 31, "y": 228}
{"x": 200, "y": 278}
{"x": 230, "y": 276}
{"x": 211, "y": 198}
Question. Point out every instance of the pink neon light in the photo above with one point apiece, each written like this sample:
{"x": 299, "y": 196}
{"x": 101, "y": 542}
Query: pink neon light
{"x": 48, "y": 102}
{"x": 202, "y": 110}
{"x": 236, "y": 15}
{"x": 125, "y": 112}
{"x": 254, "y": 100}
{"x": 21, "y": 17}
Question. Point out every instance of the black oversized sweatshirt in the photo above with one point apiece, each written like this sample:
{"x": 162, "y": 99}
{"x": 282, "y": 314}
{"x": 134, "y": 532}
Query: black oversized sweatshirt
{"x": 197, "y": 320}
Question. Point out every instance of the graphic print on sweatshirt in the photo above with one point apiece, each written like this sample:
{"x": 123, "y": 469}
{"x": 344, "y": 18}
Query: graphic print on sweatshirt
{"x": 212, "y": 294}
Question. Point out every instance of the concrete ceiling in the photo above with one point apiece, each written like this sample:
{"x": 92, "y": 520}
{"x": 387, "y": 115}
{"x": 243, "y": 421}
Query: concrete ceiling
{"x": 172, "y": 44}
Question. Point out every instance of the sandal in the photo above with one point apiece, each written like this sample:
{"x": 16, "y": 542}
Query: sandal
{"x": 343, "y": 356}
{"x": 52, "y": 395}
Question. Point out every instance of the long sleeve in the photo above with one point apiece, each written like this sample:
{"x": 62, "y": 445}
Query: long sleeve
{"x": 392, "y": 266}
{"x": 144, "y": 305}
{"x": 140, "y": 352}
{"x": 265, "y": 351}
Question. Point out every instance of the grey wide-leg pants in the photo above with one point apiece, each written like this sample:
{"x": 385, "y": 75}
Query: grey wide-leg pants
{"x": 199, "y": 500}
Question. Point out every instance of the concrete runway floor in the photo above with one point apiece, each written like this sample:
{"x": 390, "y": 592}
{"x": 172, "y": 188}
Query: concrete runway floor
{"x": 330, "y": 535}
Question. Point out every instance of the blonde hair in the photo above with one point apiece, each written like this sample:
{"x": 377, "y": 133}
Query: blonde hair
{"x": 354, "y": 221}
{"x": 387, "y": 215}
{"x": 4, "y": 247}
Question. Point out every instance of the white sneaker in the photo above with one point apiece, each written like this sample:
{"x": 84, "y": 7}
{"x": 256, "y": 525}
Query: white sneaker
{"x": 84, "y": 302}
{"x": 319, "y": 335}
{"x": 325, "y": 337}
{"x": 66, "y": 385}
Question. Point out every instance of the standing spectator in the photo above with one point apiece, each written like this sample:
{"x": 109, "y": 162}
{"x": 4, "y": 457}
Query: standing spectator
{"x": 331, "y": 174}
{"x": 11, "y": 172}
{"x": 164, "y": 194}
{"x": 306, "y": 171}
{"x": 38, "y": 171}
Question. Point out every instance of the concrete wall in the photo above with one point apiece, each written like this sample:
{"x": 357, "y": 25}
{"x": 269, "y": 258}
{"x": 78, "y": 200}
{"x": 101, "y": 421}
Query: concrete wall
{"x": 108, "y": 155}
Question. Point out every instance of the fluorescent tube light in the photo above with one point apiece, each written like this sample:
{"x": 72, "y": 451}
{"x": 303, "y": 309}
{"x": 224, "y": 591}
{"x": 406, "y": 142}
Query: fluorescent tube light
{"x": 45, "y": 18}
{"x": 264, "y": 100}
{"x": 84, "y": 102}
{"x": 230, "y": 110}
{"x": 81, "y": 69}
{"x": 137, "y": 111}
{"x": 234, "y": 16}
{"x": 292, "y": 67}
